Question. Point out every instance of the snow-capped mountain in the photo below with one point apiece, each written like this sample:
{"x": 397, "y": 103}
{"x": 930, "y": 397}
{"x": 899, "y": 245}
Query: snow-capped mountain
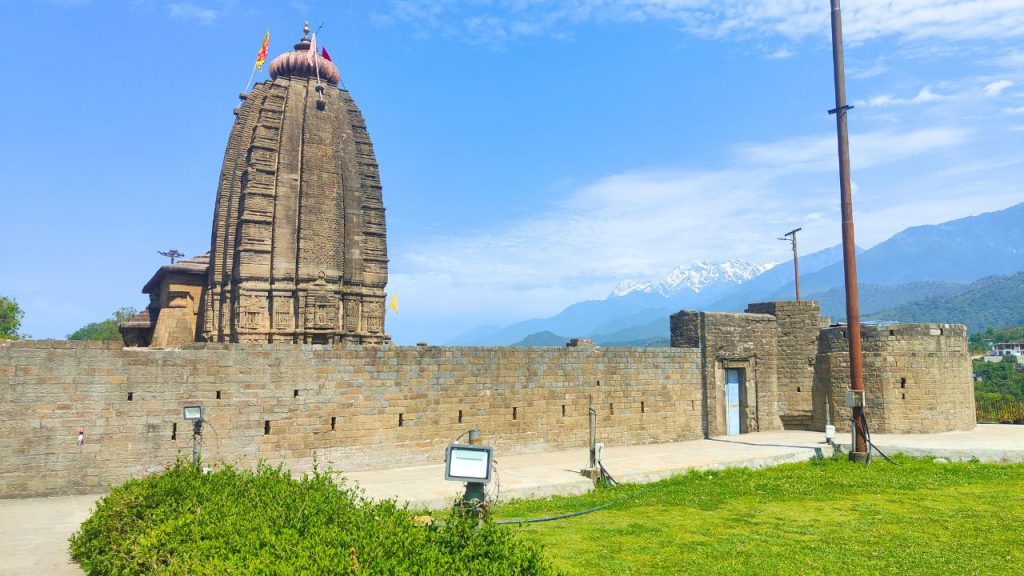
{"x": 695, "y": 278}
{"x": 630, "y": 286}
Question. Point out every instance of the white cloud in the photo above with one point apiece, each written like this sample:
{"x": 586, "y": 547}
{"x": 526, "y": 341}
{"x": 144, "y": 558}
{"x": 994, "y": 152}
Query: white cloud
{"x": 924, "y": 96}
{"x": 502, "y": 20}
{"x": 816, "y": 154}
{"x": 189, "y": 11}
{"x": 641, "y": 223}
{"x": 996, "y": 88}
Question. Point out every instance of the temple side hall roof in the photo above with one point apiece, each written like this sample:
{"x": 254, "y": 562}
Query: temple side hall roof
{"x": 197, "y": 265}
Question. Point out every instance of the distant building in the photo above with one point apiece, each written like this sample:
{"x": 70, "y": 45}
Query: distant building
{"x": 1007, "y": 348}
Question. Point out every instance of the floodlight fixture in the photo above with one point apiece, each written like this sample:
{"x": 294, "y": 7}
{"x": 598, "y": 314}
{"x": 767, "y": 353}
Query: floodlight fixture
{"x": 464, "y": 463}
{"x": 192, "y": 413}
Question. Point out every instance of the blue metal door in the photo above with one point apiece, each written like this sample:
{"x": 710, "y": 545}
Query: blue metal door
{"x": 732, "y": 402}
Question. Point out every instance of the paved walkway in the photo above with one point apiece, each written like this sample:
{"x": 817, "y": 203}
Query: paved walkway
{"x": 34, "y": 531}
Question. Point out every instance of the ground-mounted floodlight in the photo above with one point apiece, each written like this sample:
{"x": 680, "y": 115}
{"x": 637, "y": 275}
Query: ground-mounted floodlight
{"x": 192, "y": 413}
{"x": 470, "y": 463}
{"x": 195, "y": 415}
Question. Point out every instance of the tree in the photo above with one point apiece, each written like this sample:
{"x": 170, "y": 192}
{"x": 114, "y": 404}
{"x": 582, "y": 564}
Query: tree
{"x": 104, "y": 330}
{"x": 1004, "y": 377}
{"x": 10, "y": 319}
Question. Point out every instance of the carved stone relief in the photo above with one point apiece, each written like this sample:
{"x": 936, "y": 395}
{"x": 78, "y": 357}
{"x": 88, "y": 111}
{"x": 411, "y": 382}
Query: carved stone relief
{"x": 373, "y": 316}
{"x": 252, "y": 313}
{"x": 352, "y": 315}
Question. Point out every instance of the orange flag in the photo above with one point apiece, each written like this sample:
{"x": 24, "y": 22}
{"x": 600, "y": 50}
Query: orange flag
{"x": 311, "y": 53}
{"x": 261, "y": 57}
{"x": 394, "y": 303}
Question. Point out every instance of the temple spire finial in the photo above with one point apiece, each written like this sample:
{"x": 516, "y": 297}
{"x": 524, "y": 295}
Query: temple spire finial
{"x": 305, "y": 30}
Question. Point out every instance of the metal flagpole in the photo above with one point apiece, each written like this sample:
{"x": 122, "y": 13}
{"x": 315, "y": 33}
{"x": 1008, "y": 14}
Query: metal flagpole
{"x": 251, "y": 75}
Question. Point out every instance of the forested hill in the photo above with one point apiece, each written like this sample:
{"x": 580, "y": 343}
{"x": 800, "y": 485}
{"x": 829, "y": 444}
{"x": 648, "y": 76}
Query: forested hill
{"x": 996, "y": 301}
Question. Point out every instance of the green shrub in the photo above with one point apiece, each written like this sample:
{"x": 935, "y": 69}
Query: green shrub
{"x": 265, "y": 522}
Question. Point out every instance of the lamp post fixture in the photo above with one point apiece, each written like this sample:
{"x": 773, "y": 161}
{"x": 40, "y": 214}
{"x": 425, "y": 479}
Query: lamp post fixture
{"x": 172, "y": 254}
{"x": 194, "y": 414}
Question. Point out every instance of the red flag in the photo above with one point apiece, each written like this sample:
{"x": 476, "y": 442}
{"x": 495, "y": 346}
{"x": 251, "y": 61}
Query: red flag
{"x": 261, "y": 57}
{"x": 326, "y": 56}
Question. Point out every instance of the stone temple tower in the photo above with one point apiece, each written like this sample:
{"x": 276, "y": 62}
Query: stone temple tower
{"x": 298, "y": 251}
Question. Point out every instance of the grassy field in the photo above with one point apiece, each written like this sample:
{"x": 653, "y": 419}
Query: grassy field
{"x": 823, "y": 517}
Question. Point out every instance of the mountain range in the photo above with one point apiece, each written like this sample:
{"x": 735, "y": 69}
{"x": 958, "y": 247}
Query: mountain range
{"x": 910, "y": 277}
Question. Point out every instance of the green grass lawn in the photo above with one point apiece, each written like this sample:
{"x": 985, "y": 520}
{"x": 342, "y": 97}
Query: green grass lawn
{"x": 823, "y": 517}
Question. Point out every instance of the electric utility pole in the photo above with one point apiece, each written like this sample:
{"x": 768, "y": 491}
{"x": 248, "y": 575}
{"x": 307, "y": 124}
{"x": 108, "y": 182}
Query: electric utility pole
{"x": 791, "y": 237}
{"x": 859, "y": 450}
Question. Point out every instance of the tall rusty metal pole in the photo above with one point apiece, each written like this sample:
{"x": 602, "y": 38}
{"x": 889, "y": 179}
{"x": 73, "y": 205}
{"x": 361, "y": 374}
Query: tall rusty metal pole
{"x": 791, "y": 237}
{"x": 860, "y": 448}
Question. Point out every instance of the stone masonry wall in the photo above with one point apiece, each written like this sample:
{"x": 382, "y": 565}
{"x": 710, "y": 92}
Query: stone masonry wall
{"x": 353, "y": 407}
{"x": 797, "y": 326}
{"x": 917, "y": 378}
{"x": 742, "y": 341}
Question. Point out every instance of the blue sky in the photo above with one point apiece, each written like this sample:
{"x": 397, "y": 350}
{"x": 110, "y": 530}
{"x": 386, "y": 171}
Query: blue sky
{"x": 533, "y": 153}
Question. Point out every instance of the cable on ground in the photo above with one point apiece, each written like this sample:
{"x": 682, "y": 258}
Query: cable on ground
{"x": 871, "y": 446}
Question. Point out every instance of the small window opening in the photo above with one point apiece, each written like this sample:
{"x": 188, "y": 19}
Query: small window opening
{"x": 611, "y": 409}
{"x": 401, "y": 419}
{"x": 797, "y": 388}
{"x": 131, "y": 396}
{"x": 598, "y": 382}
{"x": 295, "y": 393}
{"x": 903, "y": 382}
{"x": 515, "y": 413}
{"x": 174, "y": 431}
{"x": 218, "y": 394}
{"x": 266, "y": 427}
{"x": 563, "y": 410}
{"x": 642, "y": 410}
{"x": 904, "y": 396}
{"x": 892, "y": 332}
{"x": 334, "y": 422}
{"x": 460, "y": 416}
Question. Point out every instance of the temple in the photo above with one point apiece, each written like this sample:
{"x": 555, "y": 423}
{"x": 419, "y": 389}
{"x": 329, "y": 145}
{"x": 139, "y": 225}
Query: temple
{"x": 298, "y": 250}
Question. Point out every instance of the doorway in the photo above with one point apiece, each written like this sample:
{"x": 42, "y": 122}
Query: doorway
{"x": 733, "y": 376}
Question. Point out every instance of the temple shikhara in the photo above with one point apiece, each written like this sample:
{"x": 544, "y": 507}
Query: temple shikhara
{"x": 298, "y": 251}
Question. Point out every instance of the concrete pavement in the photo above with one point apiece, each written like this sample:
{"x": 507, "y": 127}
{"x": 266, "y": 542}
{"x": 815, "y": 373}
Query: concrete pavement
{"x": 34, "y": 531}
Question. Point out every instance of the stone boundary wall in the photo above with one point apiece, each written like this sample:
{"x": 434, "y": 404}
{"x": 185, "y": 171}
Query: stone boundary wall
{"x": 917, "y": 378}
{"x": 354, "y": 407}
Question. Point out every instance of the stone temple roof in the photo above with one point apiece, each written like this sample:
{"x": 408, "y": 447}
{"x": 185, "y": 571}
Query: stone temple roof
{"x": 298, "y": 63}
{"x": 197, "y": 265}
{"x": 141, "y": 320}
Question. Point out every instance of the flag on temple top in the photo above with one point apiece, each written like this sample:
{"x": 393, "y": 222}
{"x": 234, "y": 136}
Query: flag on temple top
{"x": 326, "y": 56}
{"x": 394, "y": 303}
{"x": 311, "y": 53}
{"x": 261, "y": 57}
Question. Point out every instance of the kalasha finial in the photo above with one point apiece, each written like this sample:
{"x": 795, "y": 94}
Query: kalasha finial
{"x": 301, "y": 63}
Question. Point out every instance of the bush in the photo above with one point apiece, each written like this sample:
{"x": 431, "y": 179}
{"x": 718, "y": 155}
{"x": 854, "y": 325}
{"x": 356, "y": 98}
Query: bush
{"x": 237, "y": 522}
